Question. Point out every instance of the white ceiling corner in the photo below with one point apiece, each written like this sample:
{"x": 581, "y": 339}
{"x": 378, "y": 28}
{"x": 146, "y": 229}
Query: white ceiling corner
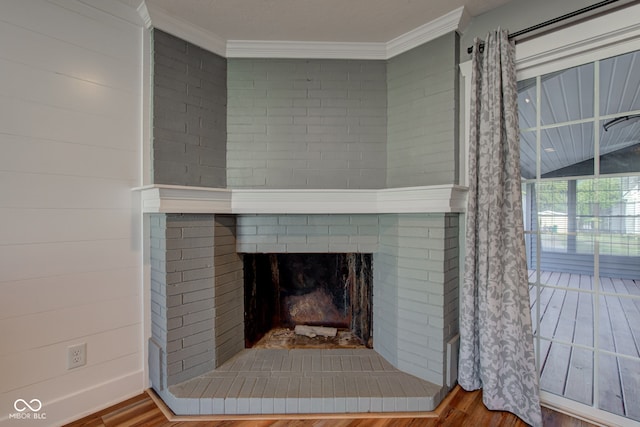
{"x": 144, "y": 14}
{"x": 424, "y": 33}
{"x": 165, "y": 21}
{"x": 187, "y": 31}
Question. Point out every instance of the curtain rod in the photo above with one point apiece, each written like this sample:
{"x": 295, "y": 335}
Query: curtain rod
{"x": 552, "y": 21}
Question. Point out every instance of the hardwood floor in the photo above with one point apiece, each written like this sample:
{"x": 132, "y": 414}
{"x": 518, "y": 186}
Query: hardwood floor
{"x": 460, "y": 408}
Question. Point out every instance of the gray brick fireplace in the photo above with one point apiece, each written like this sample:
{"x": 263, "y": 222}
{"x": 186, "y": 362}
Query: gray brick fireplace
{"x": 277, "y": 156}
{"x": 197, "y": 289}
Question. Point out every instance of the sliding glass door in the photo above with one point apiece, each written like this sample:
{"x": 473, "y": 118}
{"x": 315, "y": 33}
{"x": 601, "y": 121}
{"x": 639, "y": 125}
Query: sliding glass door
{"x": 580, "y": 160}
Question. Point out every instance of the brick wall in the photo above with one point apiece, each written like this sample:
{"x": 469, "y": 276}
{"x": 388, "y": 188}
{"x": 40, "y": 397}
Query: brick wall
{"x": 189, "y": 114}
{"x": 193, "y": 267}
{"x": 158, "y": 259}
{"x": 306, "y": 123}
{"x": 228, "y": 290}
{"x": 422, "y": 102}
{"x": 415, "y": 275}
{"x": 307, "y": 233}
{"x": 451, "y": 275}
{"x": 298, "y": 123}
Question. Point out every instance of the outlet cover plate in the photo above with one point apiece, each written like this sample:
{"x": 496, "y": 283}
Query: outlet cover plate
{"x": 76, "y": 355}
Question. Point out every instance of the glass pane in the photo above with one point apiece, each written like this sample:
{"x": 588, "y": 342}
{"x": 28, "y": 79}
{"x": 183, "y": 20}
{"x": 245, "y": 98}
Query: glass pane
{"x": 567, "y": 95}
{"x": 568, "y": 372}
{"x": 552, "y": 215}
{"x": 567, "y": 151}
{"x": 533, "y": 302}
{"x": 619, "y": 245}
{"x": 527, "y": 103}
{"x": 554, "y": 372}
{"x": 586, "y": 216}
{"x": 567, "y": 226}
{"x": 528, "y": 205}
{"x": 528, "y": 155}
{"x": 624, "y": 286}
{"x": 618, "y": 385}
{"x": 579, "y": 384}
{"x": 619, "y": 80}
{"x": 619, "y": 326}
{"x": 618, "y": 204}
{"x": 620, "y": 145}
{"x": 566, "y": 315}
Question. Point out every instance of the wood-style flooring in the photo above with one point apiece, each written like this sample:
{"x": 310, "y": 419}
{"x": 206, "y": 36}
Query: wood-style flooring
{"x": 460, "y": 408}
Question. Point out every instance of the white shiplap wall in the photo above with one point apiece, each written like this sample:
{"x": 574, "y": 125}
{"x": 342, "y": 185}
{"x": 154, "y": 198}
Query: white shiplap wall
{"x": 70, "y": 257}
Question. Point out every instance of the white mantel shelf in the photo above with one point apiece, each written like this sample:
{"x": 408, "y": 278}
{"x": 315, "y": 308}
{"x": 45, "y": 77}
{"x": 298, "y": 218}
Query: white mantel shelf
{"x": 181, "y": 199}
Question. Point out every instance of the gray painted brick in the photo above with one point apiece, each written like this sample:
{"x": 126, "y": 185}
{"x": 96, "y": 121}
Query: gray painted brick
{"x": 421, "y": 96}
{"x": 309, "y": 230}
{"x": 301, "y": 94}
{"x": 197, "y": 274}
{"x": 189, "y": 96}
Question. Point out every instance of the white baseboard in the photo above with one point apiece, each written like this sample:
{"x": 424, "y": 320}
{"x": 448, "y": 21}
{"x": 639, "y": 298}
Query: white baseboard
{"x": 85, "y": 402}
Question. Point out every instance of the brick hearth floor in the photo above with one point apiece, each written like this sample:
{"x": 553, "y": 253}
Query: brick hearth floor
{"x": 298, "y": 381}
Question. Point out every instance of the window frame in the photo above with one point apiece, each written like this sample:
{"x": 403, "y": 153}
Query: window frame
{"x": 612, "y": 34}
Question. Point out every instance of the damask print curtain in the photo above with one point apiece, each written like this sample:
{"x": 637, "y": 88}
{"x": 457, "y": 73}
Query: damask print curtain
{"x": 496, "y": 341}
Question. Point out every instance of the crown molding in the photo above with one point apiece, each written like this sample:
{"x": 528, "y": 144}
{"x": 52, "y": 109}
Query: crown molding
{"x": 162, "y": 20}
{"x": 187, "y": 31}
{"x": 144, "y": 15}
{"x": 424, "y": 33}
{"x": 295, "y": 49}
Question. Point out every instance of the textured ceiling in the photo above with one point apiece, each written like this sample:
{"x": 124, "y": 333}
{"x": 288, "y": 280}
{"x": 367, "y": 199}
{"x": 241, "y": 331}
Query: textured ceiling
{"x": 314, "y": 20}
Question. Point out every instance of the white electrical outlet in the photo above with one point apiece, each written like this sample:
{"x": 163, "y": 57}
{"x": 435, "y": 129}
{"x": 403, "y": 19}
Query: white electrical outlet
{"x": 76, "y": 355}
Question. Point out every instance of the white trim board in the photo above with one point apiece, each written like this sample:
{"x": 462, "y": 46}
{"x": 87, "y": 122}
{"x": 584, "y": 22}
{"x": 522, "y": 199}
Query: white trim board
{"x": 615, "y": 33}
{"x": 182, "y": 199}
{"x": 612, "y": 34}
{"x": 161, "y": 19}
{"x": 306, "y": 50}
{"x": 92, "y": 400}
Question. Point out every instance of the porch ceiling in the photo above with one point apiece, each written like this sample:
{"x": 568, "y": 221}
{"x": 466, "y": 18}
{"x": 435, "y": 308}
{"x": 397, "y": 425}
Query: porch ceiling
{"x": 567, "y": 97}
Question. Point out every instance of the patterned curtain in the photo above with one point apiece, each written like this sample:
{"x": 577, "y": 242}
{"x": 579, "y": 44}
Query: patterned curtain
{"x": 496, "y": 341}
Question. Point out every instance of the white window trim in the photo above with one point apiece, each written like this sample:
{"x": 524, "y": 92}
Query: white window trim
{"x": 613, "y": 34}
{"x": 610, "y": 35}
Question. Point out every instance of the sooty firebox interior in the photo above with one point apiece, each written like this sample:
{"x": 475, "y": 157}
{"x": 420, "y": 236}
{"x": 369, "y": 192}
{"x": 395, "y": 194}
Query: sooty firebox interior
{"x": 318, "y": 289}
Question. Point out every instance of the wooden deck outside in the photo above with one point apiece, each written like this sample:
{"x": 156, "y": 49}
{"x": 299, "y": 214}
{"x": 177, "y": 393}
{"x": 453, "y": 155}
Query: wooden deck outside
{"x": 568, "y": 315}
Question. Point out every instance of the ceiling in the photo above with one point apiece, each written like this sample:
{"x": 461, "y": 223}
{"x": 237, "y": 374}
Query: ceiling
{"x": 356, "y": 21}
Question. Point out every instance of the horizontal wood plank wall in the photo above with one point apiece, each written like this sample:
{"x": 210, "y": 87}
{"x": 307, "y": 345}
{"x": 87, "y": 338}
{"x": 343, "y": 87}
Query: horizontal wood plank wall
{"x": 70, "y": 126}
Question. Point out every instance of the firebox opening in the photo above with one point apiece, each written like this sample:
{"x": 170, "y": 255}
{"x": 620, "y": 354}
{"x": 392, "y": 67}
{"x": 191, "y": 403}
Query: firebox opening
{"x": 318, "y": 289}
